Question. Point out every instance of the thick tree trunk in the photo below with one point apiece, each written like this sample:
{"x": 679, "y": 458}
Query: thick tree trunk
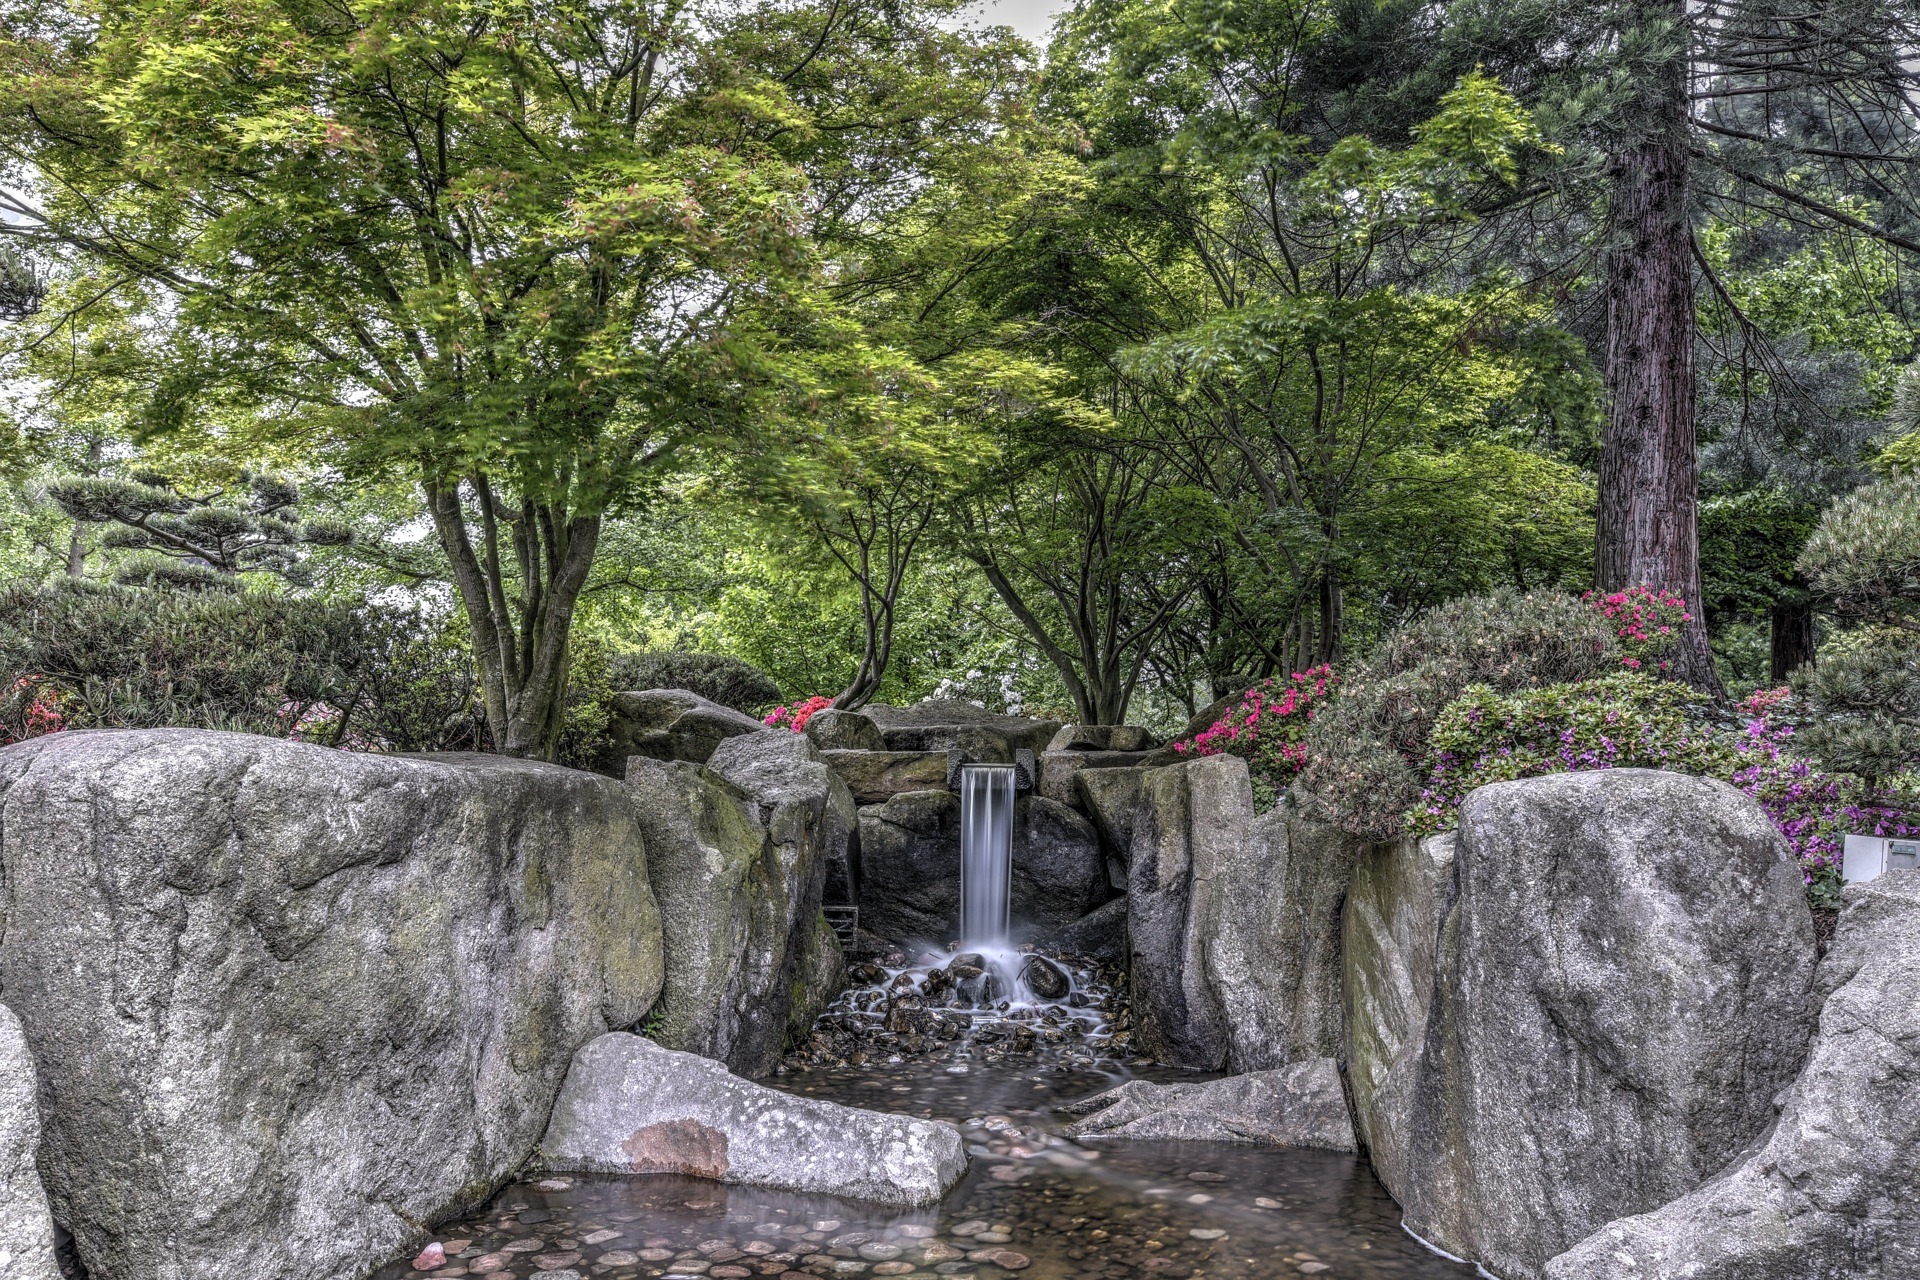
{"x": 1648, "y": 533}
{"x": 1792, "y": 626}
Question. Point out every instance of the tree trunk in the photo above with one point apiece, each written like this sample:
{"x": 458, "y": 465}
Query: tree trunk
{"x": 1792, "y": 625}
{"x": 520, "y": 647}
{"x": 1648, "y": 530}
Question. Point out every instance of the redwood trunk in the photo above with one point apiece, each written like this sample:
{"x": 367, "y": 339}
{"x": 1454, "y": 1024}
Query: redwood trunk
{"x": 1648, "y": 532}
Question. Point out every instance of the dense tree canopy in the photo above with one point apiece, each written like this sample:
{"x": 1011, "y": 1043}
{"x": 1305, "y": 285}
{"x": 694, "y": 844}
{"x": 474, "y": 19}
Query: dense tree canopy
{"x": 894, "y": 356}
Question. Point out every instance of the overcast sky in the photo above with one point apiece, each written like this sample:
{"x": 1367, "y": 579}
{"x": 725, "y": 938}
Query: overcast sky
{"x": 1031, "y": 18}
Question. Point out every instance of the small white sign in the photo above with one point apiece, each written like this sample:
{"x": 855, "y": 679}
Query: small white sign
{"x": 1866, "y": 857}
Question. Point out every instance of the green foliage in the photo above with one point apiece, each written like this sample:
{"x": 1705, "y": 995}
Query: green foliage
{"x": 1622, "y": 721}
{"x": 112, "y": 657}
{"x": 1864, "y": 557}
{"x": 1749, "y": 542}
{"x": 723, "y": 678}
{"x": 1366, "y": 748}
{"x": 198, "y": 541}
{"x": 1864, "y": 701}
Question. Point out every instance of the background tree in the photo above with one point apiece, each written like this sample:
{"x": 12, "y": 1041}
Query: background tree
{"x": 525, "y": 260}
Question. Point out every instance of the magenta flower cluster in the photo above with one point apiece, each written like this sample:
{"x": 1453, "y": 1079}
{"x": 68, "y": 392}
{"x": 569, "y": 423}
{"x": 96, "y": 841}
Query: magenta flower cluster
{"x": 1647, "y": 622}
{"x": 1267, "y": 727}
{"x": 796, "y": 716}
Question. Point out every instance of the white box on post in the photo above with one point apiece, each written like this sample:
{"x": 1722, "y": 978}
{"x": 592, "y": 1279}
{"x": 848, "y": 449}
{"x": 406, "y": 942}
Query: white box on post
{"x": 1866, "y": 857}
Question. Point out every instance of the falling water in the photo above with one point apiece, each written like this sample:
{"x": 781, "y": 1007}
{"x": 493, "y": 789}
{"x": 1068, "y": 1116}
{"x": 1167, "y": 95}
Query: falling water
{"x": 986, "y": 853}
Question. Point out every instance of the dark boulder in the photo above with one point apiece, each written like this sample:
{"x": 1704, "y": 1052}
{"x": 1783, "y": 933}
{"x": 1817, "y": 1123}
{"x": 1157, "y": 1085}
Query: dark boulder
{"x": 668, "y": 724}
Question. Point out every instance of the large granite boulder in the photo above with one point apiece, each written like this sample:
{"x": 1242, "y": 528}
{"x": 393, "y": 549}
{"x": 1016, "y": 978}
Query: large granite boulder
{"x": 1190, "y": 820}
{"x": 1102, "y": 737}
{"x": 875, "y": 777}
{"x": 288, "y": 1004}
{"x": 1621, "y": 989}
{"x": 1296, "y": 1106}
{"x": 910, "y": 867}
{"x": 1274, "y": 955}
{"x": 1391, "y": 946}
{"x": 668, "y": 724}
{"x": 1111, "y": 798}
{"x": 1099, "y": 935}
{"x": 832, "y": 730}
{"x": 632, "y": 1107}
{"x": 739, "y": 855}
{"x": 1060, "y": 770}
{"x": 950, "y": 725}
{"x": 26, "y": 1226}
{"x": 1832, "y": 1191}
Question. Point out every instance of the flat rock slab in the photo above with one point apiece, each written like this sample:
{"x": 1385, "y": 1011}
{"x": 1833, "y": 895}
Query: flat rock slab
{"x": 630, "y": 1106}
{"x": 1295, "y": 1106}
{"x": 1833, "y": 1190}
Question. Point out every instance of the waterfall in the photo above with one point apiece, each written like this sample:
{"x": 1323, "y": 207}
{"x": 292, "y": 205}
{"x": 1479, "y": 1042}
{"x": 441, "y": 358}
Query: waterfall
{"x": 986, "y": 853}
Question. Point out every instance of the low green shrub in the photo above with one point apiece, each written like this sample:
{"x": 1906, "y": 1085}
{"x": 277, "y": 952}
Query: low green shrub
{"x": 1623, "y": 721}
{"x": 729, "y": 681}
{"x": 77, "y": 656}
{"x": 1366, "y": 750}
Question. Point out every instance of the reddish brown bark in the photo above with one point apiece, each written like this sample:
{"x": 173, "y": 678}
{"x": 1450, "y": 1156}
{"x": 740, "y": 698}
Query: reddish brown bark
{"x": 1648, "y": 532}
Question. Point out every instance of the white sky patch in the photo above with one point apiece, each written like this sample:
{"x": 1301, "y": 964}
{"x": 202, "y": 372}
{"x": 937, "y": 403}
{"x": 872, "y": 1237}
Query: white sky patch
{"x": 1031, "y": 18}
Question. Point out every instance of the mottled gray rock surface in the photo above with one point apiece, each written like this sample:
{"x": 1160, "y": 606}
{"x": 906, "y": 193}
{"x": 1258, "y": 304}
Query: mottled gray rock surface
{"x": 1060, "y": 770}
{"x": 944, "y": 724}
{"x": 668, "y": 724}
{"x": 875, "y": 777}
{"x": 1101, "y": 737}
{"x": 287, "y": 1004}
{"x": 832, "y": 730}
{"x": 1392, "y": 943}
{"x": 739, "y": 853}
{"x": 1191, "y": 820}
{"x": 1111, "y": 798}
{"x": 1273, "y": 958}
{"x": 26, "y": 1226}
{"x": 631, "y": 1106}
{"x": 910, "y": 867}
{"x": 1832, "y": 1192}
{"x": 1621, "y": 990}
{"x": 1295, "y": 1106}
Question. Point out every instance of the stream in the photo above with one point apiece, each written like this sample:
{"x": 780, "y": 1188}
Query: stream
{"x": 1034, "y": 1203}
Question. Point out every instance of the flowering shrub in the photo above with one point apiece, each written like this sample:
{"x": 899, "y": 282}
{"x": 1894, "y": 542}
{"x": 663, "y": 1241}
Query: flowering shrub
{"x": 1646, "y": 622}
{"x": 1367, "y": 750}
{"x": 31, "y": 709}
{"x": 1628, "y": 720}
{"x": 1267, "y": 729}
{"x": 796, "y": 716}
{"x": 1813, "y": 811}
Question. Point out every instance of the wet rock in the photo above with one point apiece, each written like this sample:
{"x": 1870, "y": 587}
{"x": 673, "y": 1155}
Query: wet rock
{"x": 1832, "y": 1191}
{"x": 630, "y": 1106}
{"x": 26, "y": 1226}
{"x": 434, "y": 1255}
{"x": 738, "y": 855}
{"x": 910, "y": 866}
{"x": 1045, "y": 978}
{"x": 833, "y": 730}
{"x": 237, "y": 958}
{"x": 1391, "y": 943}
{"x": 1621, "y": 991}
{"x": 1297, "y": 1106}
{"x": 668, "y": 724}
{"x": 1100, "y": 935}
